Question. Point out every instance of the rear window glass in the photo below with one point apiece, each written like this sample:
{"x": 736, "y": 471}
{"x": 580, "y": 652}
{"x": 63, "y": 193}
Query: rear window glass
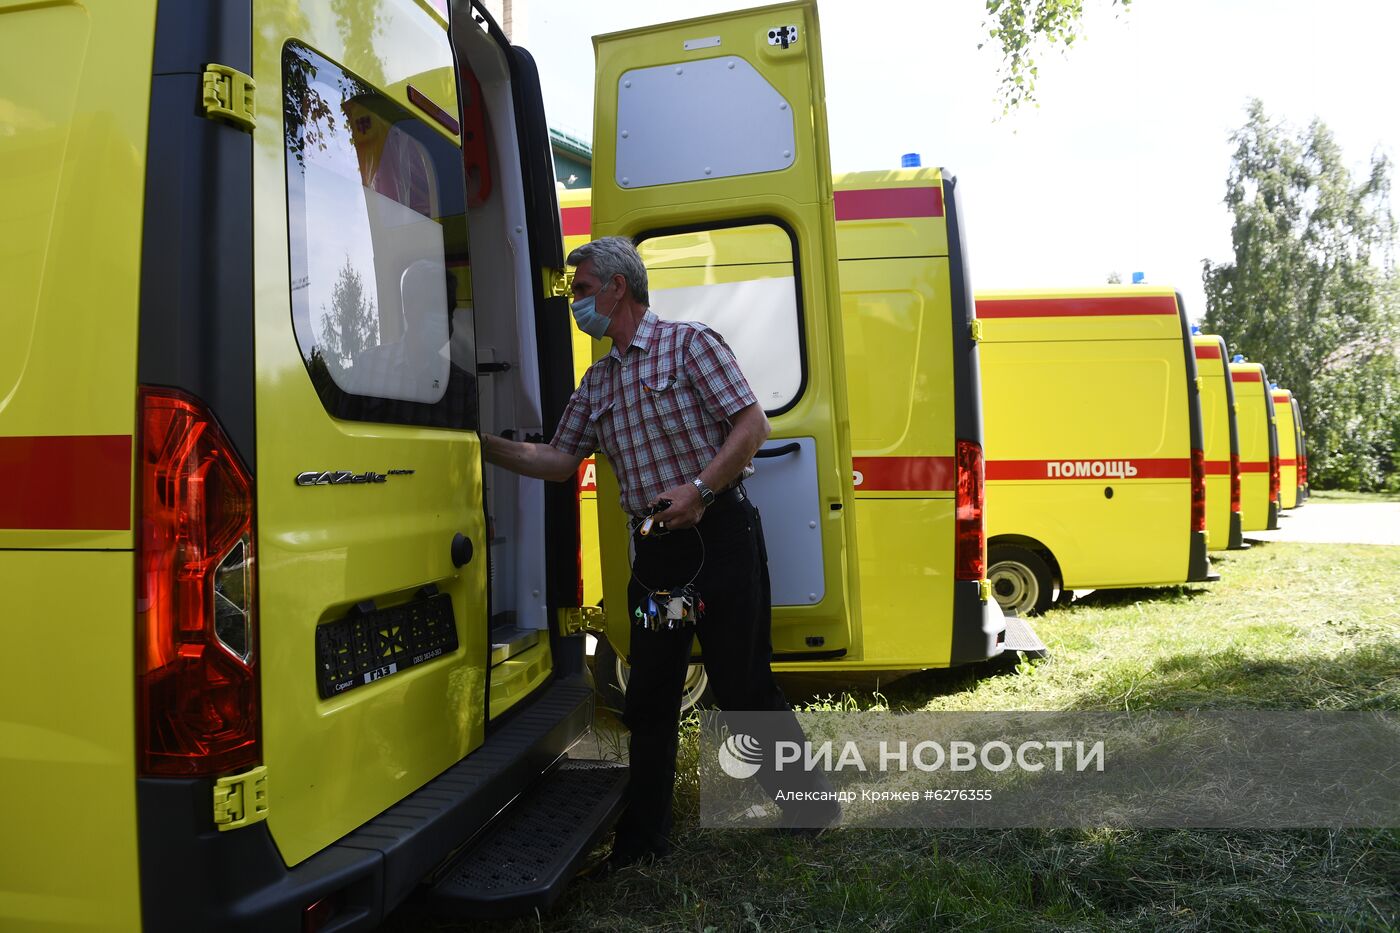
{"x": 378, "y": 243}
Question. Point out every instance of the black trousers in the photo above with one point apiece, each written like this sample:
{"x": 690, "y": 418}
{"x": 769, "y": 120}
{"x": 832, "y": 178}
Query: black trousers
{"x": 735, "y": 640}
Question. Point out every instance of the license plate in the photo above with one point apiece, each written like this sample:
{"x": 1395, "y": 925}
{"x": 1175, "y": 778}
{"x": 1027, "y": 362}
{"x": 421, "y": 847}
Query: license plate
{"x": 369, "y": 646}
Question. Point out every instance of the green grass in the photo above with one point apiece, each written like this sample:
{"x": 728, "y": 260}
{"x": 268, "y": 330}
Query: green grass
{"x": 1342, "y": 495}
{"x": 1290, "y": 626}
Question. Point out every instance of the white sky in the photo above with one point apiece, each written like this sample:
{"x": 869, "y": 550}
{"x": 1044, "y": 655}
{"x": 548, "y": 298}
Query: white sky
{"x": 1123, "y": 166}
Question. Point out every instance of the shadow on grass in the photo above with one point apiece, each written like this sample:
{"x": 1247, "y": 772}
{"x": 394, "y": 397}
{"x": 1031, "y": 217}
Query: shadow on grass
{"x": 1108, "y": 599}
{"x": 1363, "y": 678}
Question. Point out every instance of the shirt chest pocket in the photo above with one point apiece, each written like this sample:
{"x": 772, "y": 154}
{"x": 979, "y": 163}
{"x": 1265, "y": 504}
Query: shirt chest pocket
{"x": 665, "y": 404}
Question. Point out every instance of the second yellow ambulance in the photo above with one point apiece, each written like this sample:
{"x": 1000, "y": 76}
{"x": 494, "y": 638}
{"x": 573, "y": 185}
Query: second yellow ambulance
{"x": 1221, "y": 435}
{"x": 1095, "y": 454}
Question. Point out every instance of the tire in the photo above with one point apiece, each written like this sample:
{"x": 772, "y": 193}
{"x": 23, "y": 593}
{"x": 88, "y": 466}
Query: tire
{"x": 610, "y": 674}
{"x": 1021, "y": 580}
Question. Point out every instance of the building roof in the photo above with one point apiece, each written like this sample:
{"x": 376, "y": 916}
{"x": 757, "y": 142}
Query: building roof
{"x": 571, "y": 144}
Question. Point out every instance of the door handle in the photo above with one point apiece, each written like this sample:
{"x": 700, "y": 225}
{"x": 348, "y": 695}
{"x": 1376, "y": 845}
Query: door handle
{"x": 782, "y": 451}
{"x": 461, "y": 550}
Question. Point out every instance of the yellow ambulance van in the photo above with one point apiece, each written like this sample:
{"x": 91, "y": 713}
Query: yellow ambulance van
{"x": 1223, "y": 526}
{"x": 1302, "y": 451}
{"x": 1254, "y": 415}
{"x": 289, "y": 650}
{"x": 1095, "y": 454}
{"x": 870, "y": 486}
{"x": 1287, "y": 448}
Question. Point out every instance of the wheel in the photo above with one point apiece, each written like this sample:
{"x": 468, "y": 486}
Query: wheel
{"x": 1021, "y": 579}
{"x": 610, "y": 674}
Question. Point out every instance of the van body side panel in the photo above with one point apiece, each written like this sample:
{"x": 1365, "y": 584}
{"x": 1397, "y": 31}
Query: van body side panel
{"x": 72, "y": 169}
{"x": 1088, "y": 432}
{"x": 73, "y": 142}
{"x": 1252, "y": 417}
{"x": 329, "y": 551}
{"x": 1302, "y": 451}
{"x": 67, "y": 865}
{"x": 1287, "y": 448}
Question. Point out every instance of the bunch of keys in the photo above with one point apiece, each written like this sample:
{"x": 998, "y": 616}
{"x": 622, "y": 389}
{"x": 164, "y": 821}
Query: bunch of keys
{"x": 670, "y": 609}
{"x": 647, "y": 523}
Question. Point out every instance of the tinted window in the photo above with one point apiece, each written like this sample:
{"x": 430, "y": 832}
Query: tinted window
{"x": 378, "y": 243}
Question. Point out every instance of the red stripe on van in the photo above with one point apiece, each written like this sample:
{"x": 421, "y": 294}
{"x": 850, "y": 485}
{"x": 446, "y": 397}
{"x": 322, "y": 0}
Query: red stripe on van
{"x": 878, "y": 203}
{"x": 905, "y": 473}
{"x": 1077, "y": 307}
{"x": 1282, "y": 398}
{"x": 67, "y": 482}
{"x": 578, "y": 221}
{"x": 1284, "y": 463}
{"x": 1254, "y": 466}
{"x": 1217, "y": 467}
{"x": 1147, "y": 468}
{"x": 1207, "y": 353}
{"x": 1249, "y": 375}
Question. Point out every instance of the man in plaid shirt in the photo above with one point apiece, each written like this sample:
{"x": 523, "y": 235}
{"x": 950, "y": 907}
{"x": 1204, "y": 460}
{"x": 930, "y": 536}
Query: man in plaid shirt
{"x": 674, "y": 415}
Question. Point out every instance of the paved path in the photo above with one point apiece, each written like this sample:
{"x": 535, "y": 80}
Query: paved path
{"x": 1337, "y": 523}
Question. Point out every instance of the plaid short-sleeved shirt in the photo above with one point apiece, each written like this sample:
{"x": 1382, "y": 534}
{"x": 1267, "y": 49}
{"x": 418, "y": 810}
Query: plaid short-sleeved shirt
{"x": 660, "y": 411}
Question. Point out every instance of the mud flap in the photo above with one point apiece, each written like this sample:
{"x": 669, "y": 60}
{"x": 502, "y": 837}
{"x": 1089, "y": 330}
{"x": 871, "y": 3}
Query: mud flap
{"x": 1198, "y": 568}
{"x": 1237, "y": 542}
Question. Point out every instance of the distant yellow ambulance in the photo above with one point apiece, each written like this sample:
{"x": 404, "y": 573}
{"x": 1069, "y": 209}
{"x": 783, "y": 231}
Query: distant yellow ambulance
{"x": 1288, "y": 458}
{"x": 1223, "y": 524}
{"x": 1095, "y": 455}
{"x": 909, "y": 375}
{"x": 1254, "y": 415}
{"x": 1302, "y": 451}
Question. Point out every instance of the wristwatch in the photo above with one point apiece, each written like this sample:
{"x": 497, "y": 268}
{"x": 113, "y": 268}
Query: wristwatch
{"x": 707, "y": 495}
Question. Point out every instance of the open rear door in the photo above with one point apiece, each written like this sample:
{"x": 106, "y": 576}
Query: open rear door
{"x": 719, "y": 123}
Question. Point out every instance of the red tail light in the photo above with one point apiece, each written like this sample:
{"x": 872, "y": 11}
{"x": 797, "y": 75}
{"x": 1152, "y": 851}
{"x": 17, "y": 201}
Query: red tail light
{"x": 1273, "y": 478}
{"x": 1302, "y": 471}
{"x": 1234, "y": 482}
{"x": 971, "y": 532}
{"x": 1198, "y": 490}
{"x": 196, "y": 663}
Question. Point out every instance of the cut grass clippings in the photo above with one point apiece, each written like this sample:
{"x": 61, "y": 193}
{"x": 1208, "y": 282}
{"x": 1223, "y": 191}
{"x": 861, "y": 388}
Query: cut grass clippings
{"x": 1289, "y": 626}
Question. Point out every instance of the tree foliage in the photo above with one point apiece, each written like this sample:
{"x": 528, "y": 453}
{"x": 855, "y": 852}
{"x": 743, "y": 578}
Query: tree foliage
{"x": 1311, "y": 292}
{"x": 1024, "y": 29}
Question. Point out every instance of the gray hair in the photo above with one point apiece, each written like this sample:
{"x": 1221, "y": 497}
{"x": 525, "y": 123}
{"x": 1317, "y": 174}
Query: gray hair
{"x": 615, "y": 255}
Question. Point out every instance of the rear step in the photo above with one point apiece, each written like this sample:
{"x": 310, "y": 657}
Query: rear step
{"x": 1021, "y": 637}
{"x": 524, "y": 859}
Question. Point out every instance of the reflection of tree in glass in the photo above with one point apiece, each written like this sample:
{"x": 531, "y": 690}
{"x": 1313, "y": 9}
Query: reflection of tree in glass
{"x": 350, "y": 324}
{"x": 310, "y": 118}
{"x": 360, "y": 24}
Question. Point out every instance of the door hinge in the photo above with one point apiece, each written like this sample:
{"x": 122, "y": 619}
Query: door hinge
{"x": 559, "y": 283}
{"x": 974, "y": 330}
{"x": 241, "y": 799}
{"x": 575, "y": 621}
{"x": 228, "y": 96}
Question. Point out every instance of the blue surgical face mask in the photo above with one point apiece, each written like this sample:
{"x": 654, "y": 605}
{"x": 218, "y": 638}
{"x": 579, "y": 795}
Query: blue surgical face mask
{"x": 589, "y": 319}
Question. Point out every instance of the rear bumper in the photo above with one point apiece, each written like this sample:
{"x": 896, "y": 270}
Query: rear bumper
{"x": 979, "y": 629}
{"x": 196, "y": 878}
{"x": 1273, "y": 517}
{"x": 1198, "y": 566}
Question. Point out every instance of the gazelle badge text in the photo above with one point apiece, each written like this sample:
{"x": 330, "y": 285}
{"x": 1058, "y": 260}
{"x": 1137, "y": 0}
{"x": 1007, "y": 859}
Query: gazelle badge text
{"x": 345, "y": 477}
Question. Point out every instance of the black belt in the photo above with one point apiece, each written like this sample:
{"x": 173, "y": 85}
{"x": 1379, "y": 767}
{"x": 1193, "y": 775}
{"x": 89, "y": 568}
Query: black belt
{"x": 731, "y": 496}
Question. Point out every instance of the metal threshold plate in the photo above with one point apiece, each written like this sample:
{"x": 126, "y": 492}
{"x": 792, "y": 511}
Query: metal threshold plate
{"x": 506, "y": 643}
